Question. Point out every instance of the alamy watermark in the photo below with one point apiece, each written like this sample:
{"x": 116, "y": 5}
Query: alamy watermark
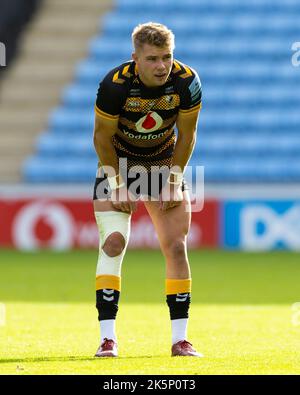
{"x": 2, "y": 55}
{"x": 296, "y": 56}
{"x": 152, "y": 184}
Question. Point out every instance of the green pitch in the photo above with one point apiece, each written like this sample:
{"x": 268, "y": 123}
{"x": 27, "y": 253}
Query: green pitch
{"x": 240, "y": 318}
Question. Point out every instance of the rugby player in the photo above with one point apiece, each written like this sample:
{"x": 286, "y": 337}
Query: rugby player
{"x": 138, "y": 105}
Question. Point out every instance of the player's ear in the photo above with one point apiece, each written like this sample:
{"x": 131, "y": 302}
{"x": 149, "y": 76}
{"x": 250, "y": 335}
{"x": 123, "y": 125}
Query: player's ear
{"x": 134, "y": 57}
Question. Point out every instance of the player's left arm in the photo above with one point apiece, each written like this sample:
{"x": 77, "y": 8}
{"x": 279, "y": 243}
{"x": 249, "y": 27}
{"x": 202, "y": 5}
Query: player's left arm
{"x": 186, "y": 139}
{"x": 187, "y": 129}
{"x": 190, "y": 104}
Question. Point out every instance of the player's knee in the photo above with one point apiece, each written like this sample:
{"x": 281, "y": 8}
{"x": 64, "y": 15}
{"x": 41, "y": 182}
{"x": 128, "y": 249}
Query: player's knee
{"x": 177, "y": 248}
{"x": 114, "y": 244}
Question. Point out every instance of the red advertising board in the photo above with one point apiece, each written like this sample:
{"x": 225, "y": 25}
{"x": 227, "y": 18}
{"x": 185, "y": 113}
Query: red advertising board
{"x": 69, "y": 223}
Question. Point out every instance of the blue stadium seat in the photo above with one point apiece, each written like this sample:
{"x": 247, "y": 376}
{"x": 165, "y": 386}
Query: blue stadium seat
{"x": 239, "y": 170}
{"x": 47, "y": 170}
{"x": 64, "y": 145}
{"x": 117, "y": 26}
{"x": 64, "y": 119}
{"x": 221, "y": 6}
{"x": 250, "y": 121}
{"x": 220, "y": 145}
{"x": 91, "y": 72}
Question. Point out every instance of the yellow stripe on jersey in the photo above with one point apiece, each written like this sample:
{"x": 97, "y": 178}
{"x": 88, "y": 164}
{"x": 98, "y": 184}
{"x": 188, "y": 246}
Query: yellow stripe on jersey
{"x": 105, "y": 114}
{"x": 177, "y": 67}
{"x": 116, "y": 78}
{"x": 105, "y": 281}
{"x": 188, "y": 72}
{"x": 174, "y": 286}
{"x": 166, "y": 102}
{"x": 125, "y": 71}
{"x": 191, "y": 110}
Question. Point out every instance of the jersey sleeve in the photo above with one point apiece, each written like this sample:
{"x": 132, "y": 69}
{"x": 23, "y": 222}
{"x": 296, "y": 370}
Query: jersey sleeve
{"x": 110, "y": 97}
{"x": 191, "y": 94}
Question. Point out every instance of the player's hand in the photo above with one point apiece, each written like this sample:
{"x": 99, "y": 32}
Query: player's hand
{"x": 123, "y": 200}
{"x": 170, "y": 196}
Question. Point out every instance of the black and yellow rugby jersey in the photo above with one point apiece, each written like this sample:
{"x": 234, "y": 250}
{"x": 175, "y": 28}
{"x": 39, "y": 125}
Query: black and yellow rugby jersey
{"x": 147, "y": 116}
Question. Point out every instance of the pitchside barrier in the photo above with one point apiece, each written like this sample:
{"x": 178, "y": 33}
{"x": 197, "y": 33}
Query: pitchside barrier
{"x": 233, "y": 217}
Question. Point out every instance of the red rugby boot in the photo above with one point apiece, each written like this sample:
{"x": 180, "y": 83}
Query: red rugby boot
{"x": 108, "y": 348}
{"x": 184, "y": 349}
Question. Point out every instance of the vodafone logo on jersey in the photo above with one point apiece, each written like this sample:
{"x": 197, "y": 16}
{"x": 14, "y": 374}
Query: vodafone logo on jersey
{"x": 149, "y": 123}
{"x": 43, "y": 224}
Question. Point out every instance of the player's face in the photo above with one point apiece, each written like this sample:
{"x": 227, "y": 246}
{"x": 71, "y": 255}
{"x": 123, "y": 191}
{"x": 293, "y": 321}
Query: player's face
{"x": 154, "y": 64}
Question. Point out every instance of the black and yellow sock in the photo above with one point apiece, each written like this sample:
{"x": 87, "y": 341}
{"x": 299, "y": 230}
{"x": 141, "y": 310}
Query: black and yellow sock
{"x": 108, "y": 290}
{"x": 178, "y": 297}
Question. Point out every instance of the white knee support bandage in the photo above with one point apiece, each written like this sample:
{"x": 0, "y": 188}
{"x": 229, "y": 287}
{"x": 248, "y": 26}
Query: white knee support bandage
{"x": 109, "y": 222}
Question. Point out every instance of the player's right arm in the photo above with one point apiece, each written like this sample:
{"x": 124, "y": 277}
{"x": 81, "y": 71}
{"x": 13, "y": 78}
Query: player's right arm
{"x": 103, "y": 132}
{"x": 107, "y": 109}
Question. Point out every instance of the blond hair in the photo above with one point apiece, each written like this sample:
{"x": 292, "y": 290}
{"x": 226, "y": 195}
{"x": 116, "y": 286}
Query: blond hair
{"x": 152, "y": 34}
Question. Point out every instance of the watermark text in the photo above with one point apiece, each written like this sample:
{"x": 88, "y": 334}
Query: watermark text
{"x": 155, "y": 184}
{"x": 296, "y": 56}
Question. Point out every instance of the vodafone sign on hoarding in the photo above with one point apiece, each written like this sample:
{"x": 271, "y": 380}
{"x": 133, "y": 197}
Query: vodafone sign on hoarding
{"x": 62, "y": 224}
{"x": 43, "y": 224}
{"x": 58, "y": 224}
